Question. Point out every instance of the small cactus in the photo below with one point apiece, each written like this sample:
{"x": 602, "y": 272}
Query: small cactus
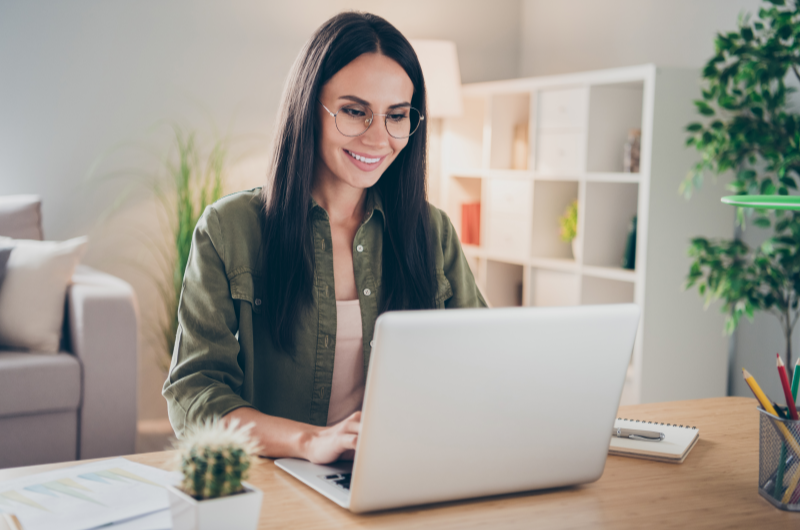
{"x": 214, "y": 458}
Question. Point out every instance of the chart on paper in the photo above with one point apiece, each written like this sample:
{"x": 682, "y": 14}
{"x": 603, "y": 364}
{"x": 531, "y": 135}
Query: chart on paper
{"x": 86, "y": 496}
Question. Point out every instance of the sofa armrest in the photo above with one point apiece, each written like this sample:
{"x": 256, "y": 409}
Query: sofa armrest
{"x": 102, "y": 317}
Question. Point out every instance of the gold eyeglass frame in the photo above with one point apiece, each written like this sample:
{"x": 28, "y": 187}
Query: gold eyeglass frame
{"x": 370, "y": 120}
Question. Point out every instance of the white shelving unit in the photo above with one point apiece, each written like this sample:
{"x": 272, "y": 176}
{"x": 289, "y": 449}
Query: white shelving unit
{"x": 576, "y": 126}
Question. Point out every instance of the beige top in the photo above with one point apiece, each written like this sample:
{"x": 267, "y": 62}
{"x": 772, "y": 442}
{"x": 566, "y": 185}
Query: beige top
{"x": 347, "y": 388}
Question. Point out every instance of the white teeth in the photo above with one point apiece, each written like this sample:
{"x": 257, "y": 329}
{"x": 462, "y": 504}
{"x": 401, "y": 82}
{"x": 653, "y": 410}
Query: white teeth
{"x": 363, "y": 159}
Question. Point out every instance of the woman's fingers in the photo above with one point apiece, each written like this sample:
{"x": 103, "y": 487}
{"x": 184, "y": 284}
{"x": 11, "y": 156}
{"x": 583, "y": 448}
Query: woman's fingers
{"x": 352, "y": 424}
{"x": 349, "y": 441}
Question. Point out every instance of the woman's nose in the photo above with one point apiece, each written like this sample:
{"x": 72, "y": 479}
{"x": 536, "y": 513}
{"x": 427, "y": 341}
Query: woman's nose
{"x": 376, "y": 135}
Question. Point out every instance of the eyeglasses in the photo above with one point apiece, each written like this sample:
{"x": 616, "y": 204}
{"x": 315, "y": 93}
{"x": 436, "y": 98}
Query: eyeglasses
{"x": 354, "y": 120}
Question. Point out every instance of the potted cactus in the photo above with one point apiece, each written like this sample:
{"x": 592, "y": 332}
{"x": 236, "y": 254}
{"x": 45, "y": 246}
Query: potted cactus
{"x": 214, "y": 458}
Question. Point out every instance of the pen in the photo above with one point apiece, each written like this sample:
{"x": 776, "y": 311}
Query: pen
{"x": 634, "y": 434}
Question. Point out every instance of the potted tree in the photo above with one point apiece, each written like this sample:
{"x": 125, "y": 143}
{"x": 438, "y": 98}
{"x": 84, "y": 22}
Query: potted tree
{"x": 749, "y": 128}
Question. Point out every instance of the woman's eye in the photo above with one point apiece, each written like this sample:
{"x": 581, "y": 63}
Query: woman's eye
{"x": 354, "y": 112}
{"x": 397, "y": 117}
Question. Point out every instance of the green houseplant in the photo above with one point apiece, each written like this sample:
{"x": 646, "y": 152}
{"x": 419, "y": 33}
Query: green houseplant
{"x": 186, "y": 179}
{"x": 568, "y": 227}
{"x": 749, "y": 129}
{"x": 194, "y": 181}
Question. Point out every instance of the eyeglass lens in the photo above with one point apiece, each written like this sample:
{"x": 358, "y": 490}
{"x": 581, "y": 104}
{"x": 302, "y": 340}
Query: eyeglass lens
{"x": 354, "y": 120}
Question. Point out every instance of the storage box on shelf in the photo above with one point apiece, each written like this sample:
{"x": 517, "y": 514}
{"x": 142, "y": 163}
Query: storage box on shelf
{"x": 527, "y": 148}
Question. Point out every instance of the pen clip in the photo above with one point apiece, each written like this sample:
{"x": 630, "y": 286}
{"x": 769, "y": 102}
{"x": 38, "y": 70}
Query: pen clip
{"x": 619, "y": 432}
{"x": 646, "y": 438}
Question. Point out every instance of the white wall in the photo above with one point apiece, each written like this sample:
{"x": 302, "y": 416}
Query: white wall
{"x": 80, "y": 77}
{"x": 574, "y": 35}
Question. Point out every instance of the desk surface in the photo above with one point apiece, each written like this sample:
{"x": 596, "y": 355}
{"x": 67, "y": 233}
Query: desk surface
{"x": 716, "y": 487}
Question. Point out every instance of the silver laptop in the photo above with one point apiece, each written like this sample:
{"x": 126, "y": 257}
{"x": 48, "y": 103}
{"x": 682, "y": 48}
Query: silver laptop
{"x": 475, "y": 402}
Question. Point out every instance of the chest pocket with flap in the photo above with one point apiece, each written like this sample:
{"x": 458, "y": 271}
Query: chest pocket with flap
{"x": 247, "y": 287}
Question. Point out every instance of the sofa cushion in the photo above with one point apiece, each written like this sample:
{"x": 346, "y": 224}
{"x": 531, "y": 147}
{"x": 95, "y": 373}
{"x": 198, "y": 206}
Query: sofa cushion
{"x": 34, "y": 292}
{"x": 33, "y": 383}
{"x": 21, "y": 217}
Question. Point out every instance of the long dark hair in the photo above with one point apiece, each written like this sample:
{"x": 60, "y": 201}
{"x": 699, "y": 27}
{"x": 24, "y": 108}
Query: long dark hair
{"x": 287, "y": 259}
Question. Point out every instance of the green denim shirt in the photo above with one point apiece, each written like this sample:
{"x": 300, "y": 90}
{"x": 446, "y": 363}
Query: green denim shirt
{"x": 224, "y": 358}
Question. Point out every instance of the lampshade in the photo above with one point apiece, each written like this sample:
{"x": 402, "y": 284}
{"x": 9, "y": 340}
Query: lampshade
{"x": 439, "y": 62}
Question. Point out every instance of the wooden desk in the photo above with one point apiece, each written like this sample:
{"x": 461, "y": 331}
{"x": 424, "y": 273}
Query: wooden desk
{"x": 716, "y": 487}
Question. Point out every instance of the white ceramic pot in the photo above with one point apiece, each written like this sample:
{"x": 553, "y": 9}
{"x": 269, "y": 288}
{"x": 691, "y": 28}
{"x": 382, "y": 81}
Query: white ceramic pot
{"x": 240, "y": 511}
{"x": 576, "y": 248}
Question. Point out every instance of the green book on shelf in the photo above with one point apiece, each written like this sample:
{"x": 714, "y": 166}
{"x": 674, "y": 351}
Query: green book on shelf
{"x": 629, "y": 259}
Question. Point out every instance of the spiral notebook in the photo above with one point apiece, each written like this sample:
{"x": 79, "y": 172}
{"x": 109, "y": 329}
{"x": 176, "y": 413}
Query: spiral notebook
{"x": 677, "y": 443}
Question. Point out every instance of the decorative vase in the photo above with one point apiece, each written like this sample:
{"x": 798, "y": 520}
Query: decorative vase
{"x": 576, "y": 248}
{"x": 240, "y": 511}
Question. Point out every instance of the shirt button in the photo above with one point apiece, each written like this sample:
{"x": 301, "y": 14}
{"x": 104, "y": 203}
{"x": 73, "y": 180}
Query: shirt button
{"x": 258, "y": 301}
{"x": 367, "y": 292}
{"x": 360, "y": 248}
{"x": 372, "y": 344}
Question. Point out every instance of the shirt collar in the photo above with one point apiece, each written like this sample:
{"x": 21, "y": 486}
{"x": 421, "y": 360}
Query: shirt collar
{"x": 374, "y": 203}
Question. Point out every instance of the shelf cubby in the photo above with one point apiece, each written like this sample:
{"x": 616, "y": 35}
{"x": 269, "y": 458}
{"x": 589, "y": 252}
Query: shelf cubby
{"x": 503, "y": 284}
{"x": 614, "y": 109}
{"x": 550, "y": 199}
{"x": 560, "y": 109}
{"x": 561, "y": 116}
{"x": 553, "y": 288}
{"x": 465, "y": 135}
{"x": 508, "y": 112}
{"x": 463, "y": 190}
{"x": 605, "y": 291}
{"x": 507, "y": 206}
{"x": 607, "y": 212}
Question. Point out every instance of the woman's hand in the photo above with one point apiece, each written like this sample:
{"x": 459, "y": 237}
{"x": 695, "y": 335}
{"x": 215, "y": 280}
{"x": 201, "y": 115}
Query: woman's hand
{"x": 279, "y": 437}
{"x": 337, "y": 442}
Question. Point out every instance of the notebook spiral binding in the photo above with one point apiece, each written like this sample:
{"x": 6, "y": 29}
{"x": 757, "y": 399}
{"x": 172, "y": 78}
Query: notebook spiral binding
{"x": 657, "y": 423}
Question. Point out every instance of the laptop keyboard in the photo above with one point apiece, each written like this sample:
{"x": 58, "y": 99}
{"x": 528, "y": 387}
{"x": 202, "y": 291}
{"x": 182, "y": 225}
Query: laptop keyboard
{"x": 341, "y": 479}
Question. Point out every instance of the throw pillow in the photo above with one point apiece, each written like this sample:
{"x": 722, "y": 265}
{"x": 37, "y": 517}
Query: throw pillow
{"x": 33, "y": 293}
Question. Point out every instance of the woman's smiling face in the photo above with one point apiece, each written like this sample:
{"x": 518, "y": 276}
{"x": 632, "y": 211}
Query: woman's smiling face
{"x": 371, "y": 80}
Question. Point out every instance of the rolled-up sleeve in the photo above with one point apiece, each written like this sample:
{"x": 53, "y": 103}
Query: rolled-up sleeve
{"x": 205, "y": 379}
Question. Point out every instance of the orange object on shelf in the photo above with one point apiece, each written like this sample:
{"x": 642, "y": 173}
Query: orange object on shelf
{"x": 471, "y": 223}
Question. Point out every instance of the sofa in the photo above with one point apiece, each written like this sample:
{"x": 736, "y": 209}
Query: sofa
{"x": 80, "y": 402}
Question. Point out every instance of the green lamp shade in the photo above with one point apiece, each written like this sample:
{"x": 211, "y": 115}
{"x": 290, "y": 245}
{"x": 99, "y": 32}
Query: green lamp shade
{"x": 769, "y": 202}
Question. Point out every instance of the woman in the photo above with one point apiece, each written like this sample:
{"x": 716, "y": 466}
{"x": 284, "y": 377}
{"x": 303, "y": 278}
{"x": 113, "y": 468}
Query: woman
{"x": 283, "y": 287}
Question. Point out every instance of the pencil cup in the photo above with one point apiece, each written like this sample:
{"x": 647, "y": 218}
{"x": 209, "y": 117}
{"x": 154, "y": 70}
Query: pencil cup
{"x": 779, "y": 461}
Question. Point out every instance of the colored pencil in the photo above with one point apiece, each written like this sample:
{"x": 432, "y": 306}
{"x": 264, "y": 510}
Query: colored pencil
{"x": 765, "y": 403}
{"x": 762, "y": 398}
{"x": 787, "y": 389}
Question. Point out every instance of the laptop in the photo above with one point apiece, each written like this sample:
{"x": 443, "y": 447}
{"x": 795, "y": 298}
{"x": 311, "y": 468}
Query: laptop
{"x": 475, "y": 402}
